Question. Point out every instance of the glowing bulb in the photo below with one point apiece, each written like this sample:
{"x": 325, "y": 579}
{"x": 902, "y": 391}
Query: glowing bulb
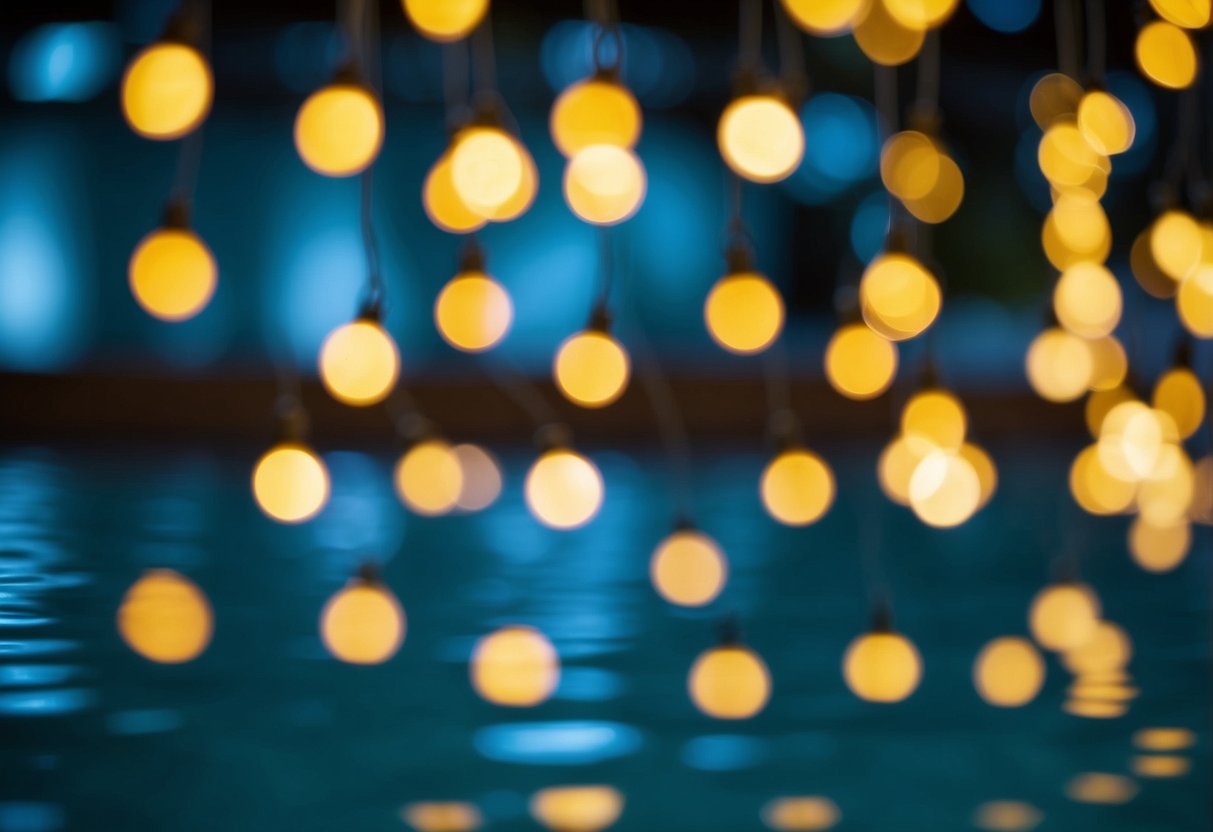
{"x": 934, "y": 419}
{"x": 883, "y": 38}
{"x": 729, "y": 682}
{"x": 487, "y": 168}
{"x": 1009, "y": 672}
{"x": 859, "y": 363}
{"x": 1195, "y": 302}
{"x": 1161, "y": 766}
{"x": 165, "y": 617}
{"x": 362, "y": 623}
{"x": 896, "y": 467}
{"x": 744, "y": 313}
{"x": 604, "y": 184}
{"x": 167, "y": 91}
{"x": 1166, "y": 55}
{"x": 899, "y": 297}
{"x": 339, "y": 130}
{"x": 290, "y": 483}
{"x": 591, "y": 368}
{"x": 945, "y": 490}
{"x": 909, "y": 165}
{"x": 442, "y": 816}
{"x": 442, "y": 203}
{"x": 1106, "y": 123}
{"x": 1159, "y": 548}
{"x": 1007, "y": 816}
{"x": 1066, "y": 158}
{"x": 942, "y": 201}
{"x": 1054, "y": 97}
{"x": 429, "y": 478}
{"x": 563, "y": 489}
{"x": 481, "y": 477}
{"x": 1105, "y": 650}
{"x": 1179, "y": 393}
{"x": 882, "y": 667}
{"x": 1096, "y": 489}
{"x": 1059, "y": 365}
{"x": 1176, "y": 244}
{"x": 760, "y": 138}
{"x": 524, "y": 195}
{"x": 1100, "y": 404}
{"x": 598, "y": 110}
{"x": 172, "y": 274}
{"x": 1191, "y": 14}
{"x": 823, "y": 17}
{"x": 1109, "y": 363}
{"x": 1076, "y": 230}
{"x": 987, "y": 473}
{"x": 473, "y": 312}
{"x": 1063, "y": 616}
{"x": 359, "y": 363}
{"x": 577, "y": 808}
{"x": 1093, "y": 787}
{"x": 797, "y": 487}
{"x": 515, "y": 666}
{"x": 1164, "y": 739}
{"x": 446, "y": 20}
{"x": 921, "y": 14}
{"x": 1087, "y": 300}
{"x": 801, "y": 814}
{"x": 689, "y": 569}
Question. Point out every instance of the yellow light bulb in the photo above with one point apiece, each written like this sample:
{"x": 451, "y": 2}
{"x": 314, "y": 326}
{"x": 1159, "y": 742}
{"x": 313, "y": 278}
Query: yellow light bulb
{"x": 1109, "y": 363}
{"x": 910, "y": 165}
{"x": 339, "y": 130}
{"x": 172, "y": 274}
{"x": 729, "y": 682}
{"x": 481, "y": 477}
{"x": 987, "y": 473}
{"x": 1165, "y": 496}
{"x": 942, "y": 201}
{"x": 896, "y": 465}
{"x": 899, "y": 297}
{"x": 883, "y": 38}
{"x": 1095, "y": 488}
{"x": 1161, "y": 766}
{"x": 597, "y": 110}
{"x": 860, "y": 364}
{"x": 1191, "y": 14}
{"x": 1106, "y": 650}
{"x": 1066, "y": 158}
{"x": 523, "y": 197}
{"x": 1195, "y": 302}
{"x": 359, "y": 363}
{"x": 1180, "y": 394}
{"x": 760, "y": 138}
{"x": 1059, "y": 365}
{"x": 1007, "y": 816}
{"x": 1151, "y": 278}
{"x": 1106, "y": 123}
{"x": 823, "y": 17}
{"x": 442, "y": 203}
{"x": 921, "y": 14}
{"x": 290, "y": 483}
{"x": 604, "y": 184}
{"x": 882, "y": 667}
{"x": 689, "y": 569}
{"x": 801, "y": 814}
{"x": 362, "y": 623}
{"x": 563, "y": 489}
{"x": 744, "y": 313}
{"x": 797, "y": 487}
{"x": 1159, "y": 548}
{"x": 165, "y": 617}
{"x": 1063, "y": 616}
{"x": 515, "y": 666}
{"x": 934, "y": 419}
{"x": 1164, "y": 739}
{"x": 1087, "y": 300}
{"x": 1054, "y": 97}
{"x": 591, "y": 368}
{"x": 446, "y": 816}
{"x": 473, "y": 312}
{"x": 1076, "y": 230}
{"x": 1100, "y": 403}
{"x": 1009, "y": 672}
{"x": 446, "y": 20}
{"x": 1092, "y": 787}
{"x": 1166, "y": 55}
{"x": 167, "y": 91}
{"x": 577, "y": 808}
{"x": 1176, "y": 244}
{"x": 945, "y": 490}
{"x": 429, "y": 478}
{"x": 487, "y": 168}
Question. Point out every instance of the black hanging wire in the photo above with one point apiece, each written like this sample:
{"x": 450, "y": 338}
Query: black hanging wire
{"x": 1097, "y": 41}
{"x": 791, "y": 55}
{"x": 455, "y": 79}
{"x": 749, "y": 36}
{"x": 364, "y": 38}
{"x": 194, "y": 21}
{"x": 1065, "y": 22}
{"x": 607, "y": 33}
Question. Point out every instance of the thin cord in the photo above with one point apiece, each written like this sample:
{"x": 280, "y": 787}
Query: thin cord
{"x": 749, "y": 34}
{"x": 1065, "y": 14}
{"x": 484, "y": 68}
{"x": 606, "y": 271}
{"x": 926, "y": 102}
{"x": 368, "y": 62}
{"x": 1097, "y": 40}
{"x": 791, "y": 54}
{"x": 455, "y": 82}
{"x": 189, "y": 158}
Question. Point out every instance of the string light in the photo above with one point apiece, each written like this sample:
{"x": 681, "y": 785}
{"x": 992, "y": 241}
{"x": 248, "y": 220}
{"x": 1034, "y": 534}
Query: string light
{"x": 1087, "y": 301}
{"x": 1107, "y": 649}
{"x": 591, "y": 368}
{"x": 898, "y": 296}
{"x": 443, "y": 204}
{"x": 487, "y": 167}
{"x": 824, "y": 17}
{"x": 446, "y": 20}
{"x": 689, "y": 568}
{"x": 1195, "y": 301}
{"x": 363, "y": 623}
{"x": 1159, "y": 548}
{"x": 860, "y": 364}
{"x": 945, "y": 490}
{"x": 760, "y": 138}
{"x": 1008, "y": 672}
{"x": 1166, "y": 55}
{"x": 577, "y": 808}
{"x": 729, "y": 681}
{"x": 1095, "y": 488}
{"x": 1076, "y": 230}
{"x": 339, "y": 129}
{"x": 604, "y": 184}
{"x": 1093, "y": 787}
{"x": 290, "y": 483}
{"x": 473, "y": 312}
{"x": 883, "y": 38}
{"x": 1106, "y": 122}
{"x": 165, "y": 618}
{"x": 515, "y": 666}
{"x": 1063, "y": 616}
{"x": 797, "y": 487}
{"x": 801, "y": 814}
{"x": 359, "y": 362}
{"x": 429, "y": 478}
{"x": 172, "y": 273}
{"x": 882, "y": 666}
{"x": 481, "y": 477}
{"x": 1190, "y": 14}
{"x": 1059, "y": 365}
{"x": 1180, "y": 395}
{"x": 595, "y": 111}
{"x": 563, "y": 489}
{"x": 1054, "y": 98}
{"x": 921, "y": 14}
{"x": 167, "y": 90}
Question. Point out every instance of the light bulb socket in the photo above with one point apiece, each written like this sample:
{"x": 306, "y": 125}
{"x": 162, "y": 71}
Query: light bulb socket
{"x": 926, "y": 119}
{"x": 897, "y": 241}
{"x": 608, "y": 74}
{"x": 882, "y": 617}
{"x": 928, "y": 375}
{"x": 553, "y": 436}
{"x": 738, "y": 258}
{"x": 600, "y": 318}
{"x": 349, "y": 73}
{"x": 371, "y": 310}
{"x": 368, "y": 574}
{"x": 728, "y": 631}
{"x": 293, "y": 424}
{"x": 1183, "y": 353}
{"x": 471, "y": 256}
{"x": 486, "y": 112}
{"x": 176, "y": 215}
{"x": 183, "y": 27}
{"x": 683, "y": 523}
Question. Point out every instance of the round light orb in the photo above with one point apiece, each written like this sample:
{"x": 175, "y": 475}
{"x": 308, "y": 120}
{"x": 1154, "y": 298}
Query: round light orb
{"x": 1101, "y": 402}
{"x": 442, "y": 816}
{"x": 172, "y": 274}
{"x": 797, "y": 487}
{"x": 943, "y": 200}
{"x": 1063, "y": 616}
{"x": 515, "y": 666}
{"x": 945, "y": 490}
{"x": 429, "y": 478}
{"x": 362, "y": 623}
{"x": 1087, "y": 300}
{"x": 1176, "y": 243}
{"x": 1076, "y": 230}
{"x": 935, "y": 419}
{"x": 1180, "y": 394}
{"x": 1053, "y": 98}
{"x": 1191, "y": 14}
{"x": 1059, "y": 365}
{"x": 860, "y": 364}
{"x": 577, "y": 808}
{"x": 442, "y": 203}
{"x": 446, "y": 20}
{"x": 290, "y": 483}
{"x": 481, "y": 477}
{"x": 1096, "y": 489}
{"x": 910, "y": 165}
{"x": 597, "y": 110}
{"x": 1164, "y": 739}
{"x": 1194, "y": 300}
{"x": 801, "y": 814}
{"x": 339, "y": 130}
{"x": 689, "y": 569}
{"x": 1109, "y": 363}
{"x": 604, "y": 184}
{"x": 899, "y": 297}
{"x": 473, "y": 312}
{"x": 1067, "y": 159}
{"x": 1106, "y": 123}
{"x": 823, "y": 17}
{"x": 1166, "y": 55}
{"x": 1092, "y": 787}
{"x": 896, "y": 465}
{"x": 882, "y": 667}
{"x": 1158, "y": 548}
{"x": 883, "y": 38}
{"x": 761, "y": 138}
{"x": 921, "y": 14}
{"x": 167, "y": 91}
{"x": 359, "y": 363}
{"x": 987, "y": 472}
{"x": 1152, "y": 279}
{"x": 1007, "y": 816}
{"x": 563, "y": 489}
{"x": 1107, "y": 650}
{"x": 1009, "y": 672}
{"x": 744, "y": 313}
{"x": 165, "y": 617}
{"x": 524, "y": 195}
{"x": 591, "y": 368}
{"x": 729, "y": 682}
{"x": 487, "y": 168}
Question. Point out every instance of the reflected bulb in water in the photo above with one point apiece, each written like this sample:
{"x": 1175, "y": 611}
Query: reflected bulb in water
{"x": 896, "y": 465}
{"x": 1166, "y": 55}
{"x": 1164, "y": 739}
{"x": 515, "y": 666}
{"x": 1009, "y": 672}
{"x": 729, "y": 682}
{"x": 882, "y": 667}
{"x": 487, "y": 168}
{"x": 1007, "y": 816}
{"x": 172, "y": 274}
{"x": 1059, "y": 365}
{"x": 481, "y": 477}
{"x": 359, "y": 363}
{"x": 442, "y": 203}
{"x": 1054, "y": 97}
{"x": 1161, "y": 766}
{"x": 563, "y": 489}
{"x": 339, "y": 130}
{"x": 1063, "y": 616}
{"x": 899, "y": 297}
{"x": 598, "y": 110}
{"x": 760, "y": 138}
{"x": 859, "y": 363}
{"x": 1093, "y": 787}
{"x": 167, "y": 91}
{"x": 591, "y": 368}
{"x": 446, "y": 20}
{"x": 165, "y": 617}
{"x": 1096, "y": 489}
{"x": 1107, "y": 649}
{"x": 290, "y": 483}
{"x": 604, "y": 184}
{"x": 363, "y": 623}
{"x": 801, "y": 814}
{"x": 429, "y": 478}
{"x": 577, "y": 808}
{"x": 445, "y": 816}
{"x": 744, "y": 313}
{"x": 797, "y": 487}
{"x": 473, "y": 312}
{"x": 689, "y": 569}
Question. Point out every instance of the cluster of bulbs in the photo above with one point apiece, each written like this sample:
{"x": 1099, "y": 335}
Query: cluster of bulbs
{"x": 890, "y": 32}
{"x": 916, "y": 169}
{"x": 1165, "y": 51}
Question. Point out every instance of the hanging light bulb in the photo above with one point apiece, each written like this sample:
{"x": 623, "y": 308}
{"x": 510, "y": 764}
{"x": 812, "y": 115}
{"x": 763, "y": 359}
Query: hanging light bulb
{"x": 363, "y": 623}
{"x": 1087, "y": 300}
{"x": 896, "y": 465}
{"x": 881, "y": 665}
{"x": 1176, "y": 243}
{"x": 1054, "y": 98}
{"x": 1194, "y": 300}
{"x": 797, "y": 487}
{"x": 1106, "y": 122}
{"x": 577, "y": 808}
{"x": 1180, "y": 394}
{"x": 921, "y": 14}
{"x": 885, "y": 39}
{"x": 443, "y": 204}
{"x": 910, "y": 164}
{"x": 1096, "y": 489}
{"x": 446, "y": 20}
{"x": 1190, "y": 14}
{"x": 729, "y": 681}
{"x": 1076, "y": 230}
{"x": 801, "y": 814}
{"x": 1166, "y": 55}
{"x": 563, "y": 488}
{"x": 1109, "y": 364}
{"x": 515, "y": 666}
{"x": 596, "y": 110}
{"x": 429, "y": 478}
{"x": 290, "y": 483}
{"x": 487, "y": 165}
{"x": 689, "y": 568}
{"x": 860, "y": 364}
{"x": 1106, "y": 650}
{"x": 934, "y": 419}
{"x": 165, "y": 617}
{"x": 823, "y": 17}
{"x": 1161, "y": 766}
{"x": 172, "y": 273}
{"x": 442, "y": 816}
{"x": 524, "y": 195}
{"x": 167, "y": 90}
{"x": 473, "y": 312}
{"x": 481, "y": 477}
{"x": 761, "y": 137}
{"x": 591, "y": 368}
{"x": 945, "y": 490}
{"x": 1008, "y": 672}
{"x": 1067, "y": 159}
{"x": 1063, "y": 615}
{"x": 359, "y": 362}
{"x": 604, "y": 184}
{"x": 1159, "y": 548}
{"x": 1059, "y": 365}
{"x": 339, "y": 128}
{"x": 744, "y": 311}
{"x": 898, "y": 296}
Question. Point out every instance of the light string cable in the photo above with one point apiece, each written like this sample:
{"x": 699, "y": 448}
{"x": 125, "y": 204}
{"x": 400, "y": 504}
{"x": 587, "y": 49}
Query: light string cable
{"x": 1065, "y": 23}
{"x": 926, "y": 117}
{"x": 604, "y": 15}
{"x": 364, "y": 38}
{"x": 1097, "y": 41}
{"x": 194, "y": 21}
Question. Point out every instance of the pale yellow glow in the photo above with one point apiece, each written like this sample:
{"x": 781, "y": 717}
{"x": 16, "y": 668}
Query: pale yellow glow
{"x": 1007, "y": 816}
{"x": 359, "y": 363}
{"x": 934, "y": 419}
{"x": 1191, "y": 14}
{"x": 729, "y": 682}
{"x": 1176, "y": 243}
{"x": 1106, "y": 123}
{"x": 429, "y": 478}
{"x": 481, "y": 477}
{"x": 1095, "y": 488}
{"x": 689, "y": 569}
{"x": 1100, "y": 404}
{"x": 801, "y": 814}
{"x": 1161, "y": 766}
{"x": 577, "y": 808}
{"x": 1195, "y": 301}
{"x": 167, "y": 91}
{"x": 797, "y": 487}
{"x": 604, "y": 184}
{"x": 909, "y": 165}
{"x": 591, "y": 368}
{"x": 899, "y": 297}
{"x": 442, "y": 816}
{"x": 487, "y": 168}
{"x": 1151, "y": 278}
{"x": 744, "y": 313}
{"x": 883, "y": 38}
{"x": 595, "y": 111}
{"x": 1087, "y": 300}
{"x": 760, "y": 138}
{"x": 882, "y": 667}
{"x": 896, "y": 467}
{"x": 442, "y": 203}
{"x": 1095, "y": 708}
{"x": 1109, "y": 363}
{"x": 1106, "y": 650}
{"x": 165, "y": 617}
{"x": 1164, "y": 739}
{"x": 515, "y": 666}
{"x": 290, "y": 483}
{"x": 1159, "y": 548}
{"x": 1066, "y": 158}
{"x": 1009, "y": 672}
{"x": 1059, "y": 365}
{"x": 824, "y": 17}
{"x": 1054, "y": 97}
{"x": 473, "y": 312}
{"x": 563, "y": 489}
{"x": 1132, "y": 440}
{"x": 1166, "y": 55}
{"x": 1094, "y": 787}
{"x": 339, "y": 130}
{"x": 921, "y": 14}
{"x": 942, "y": 201}
{"x": 1095, "y": 689}
{"x": 1063, "y": 616}
{"x": 1165, "y": 496}
{"x": 172, "y": 274}
{"x": 519, "y": 202}
{"x": 860, "y": 364}
{"x": 446, "y": 20}
{"x": 1180, "y": 394}
{"x": 1076, "y": 230}
{"x": 363, "y": 623}
{"x": 945, "y": 490}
